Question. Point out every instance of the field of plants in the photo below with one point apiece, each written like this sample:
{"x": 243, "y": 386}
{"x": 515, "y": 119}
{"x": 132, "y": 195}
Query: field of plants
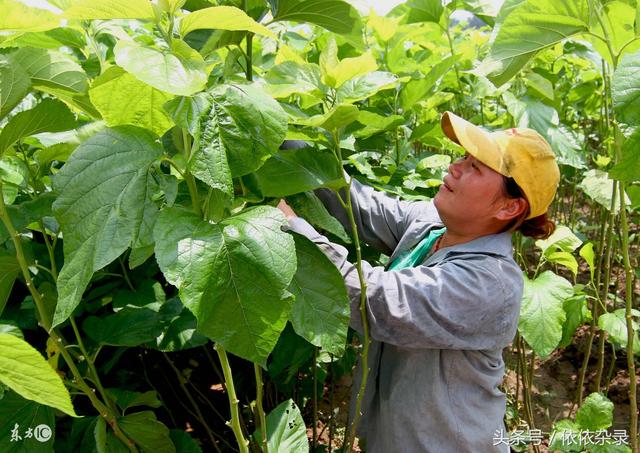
{"x": 151, "y": 301}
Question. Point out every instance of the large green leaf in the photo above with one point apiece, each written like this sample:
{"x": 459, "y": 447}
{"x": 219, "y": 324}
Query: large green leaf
{"x": 52, "y": 69}
{"x": 309, "y": 206}
{"x": 615, "y": 324}
{"x": 298, "y": 170}
{"x": 9, "y": 271}
{"x": 286, "y": 430}
{"x": 122, "y": 99}
{"x": 365, "y": 86}
{"x": 103, "y": 191}
{"x": 147, "y": 432}
{"x": 320, "y": 311}
{"x": 18, "y": 414}
{"x": 625, "y": 88}
{"x": 541, "y": 314}
{"x": 291, "y": 77}
{"x": 127, "y": 327}
{"x": 19, "y": 16}
{"x": 222, "y": 18}
{"x": 14, "y": 175}
{"x": 232, "y": 275}
{"x": 596, "y": 412}
{"x": 14, "y": 84}
{"x": 126, "y": 398}
{"x": 180, "y": 331}
{"x": 110, "y": 9}
{"x": 180, "y": 70}
{"x": 244, "y": 126}
{"x": 529, "y": 27}
{"x": 334, "y": 15}
{"x": 186, "y": 111}
{"x": 562, "y": 239}
{"x": 337, "y": 118}
{"x": 27, "y": 373}
{"x": 50, "y": 115}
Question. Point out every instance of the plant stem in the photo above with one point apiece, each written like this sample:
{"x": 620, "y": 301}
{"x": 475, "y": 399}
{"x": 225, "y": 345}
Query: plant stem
{"x": 249, "y": 57}
{"x": 188, "y": 177}
{"x": 315, "y": 399}
{"x": 263, "y": 419}
{"x": 243, "y": 444}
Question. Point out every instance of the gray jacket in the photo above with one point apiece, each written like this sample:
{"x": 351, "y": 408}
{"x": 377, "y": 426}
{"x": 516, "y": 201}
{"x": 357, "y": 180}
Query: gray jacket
{"x": 438, "y": 329}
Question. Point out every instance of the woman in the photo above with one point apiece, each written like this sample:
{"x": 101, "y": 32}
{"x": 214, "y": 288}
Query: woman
{"x": 441, "y": 313}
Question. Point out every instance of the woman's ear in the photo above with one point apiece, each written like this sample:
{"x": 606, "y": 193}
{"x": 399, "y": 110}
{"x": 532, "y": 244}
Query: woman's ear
{"x": 512, "y": 208}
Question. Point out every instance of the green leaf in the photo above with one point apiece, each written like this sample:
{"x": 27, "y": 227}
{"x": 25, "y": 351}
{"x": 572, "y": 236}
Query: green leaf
{"x": 625, "y": 88}
{"x": 232, "y": 275}
{"x": 15, "y": 410}
{"x": 127, "y": 327}
{"x": 180, "y": 70}
{"x": 577, "y": 314}
{"x": 50, "y": 39}
{"x": 627, "y": 169}
{"x": 424, "y": 11}
{"x": 320, "y": 310}
{"x": 336, "y": 72}
{"x": 14, "y": 175}
{"x": 365, "y": 86}
{"x": 375, "y": 123}
{"x": 291, "y": 77}
{"x": 110, "y": 9}
{"x": 52, "y": 69}
{"x": 298, "y": 170}
{"x": 122, "y": 99}
{"x": 14, "y": 84}
{"x": 417, "y": 90}
{"x": 337, "y": 118}
{"x": 180, "y": 332}
{"x": 245, "y": 126}
{"x": 564, "y": 258}
{"x": 562, "y": 239}
{"x": 103, "y": 191}
{"x": 186, "y": 111}
{"x": 565, "y": 437}
{"x": 334, "y": 15}
{"x": 587, "y": 253}
{"x": 27, "y": 212}
{"x": 285, "y": 429}
{"x": 309, "y": 206}
{"x": 27, "y": 373}
{"x": 126, "y": 398}
{"x": 222, "y": 18}
{"x": 50, "y": 115}
{"x": 596, "y": 412}
{"x": 184, "y": 442}
{"x": 147, "y": 432}
{"x": 9, "y": 271}
{"x": 540, "y": 85}
{"x": 599, "y": 187}
{"x": 529, "y": 27}
{"x": 18, "y": 16}
{"x": 615, "y": 324}
{"x": 541, "y": 314}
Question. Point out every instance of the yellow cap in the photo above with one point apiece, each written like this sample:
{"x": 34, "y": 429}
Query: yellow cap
{"x": 521, "y": 154}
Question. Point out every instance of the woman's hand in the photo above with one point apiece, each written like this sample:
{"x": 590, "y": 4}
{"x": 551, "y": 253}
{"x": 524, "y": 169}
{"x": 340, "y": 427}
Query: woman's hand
{"x": 286, "y": 209}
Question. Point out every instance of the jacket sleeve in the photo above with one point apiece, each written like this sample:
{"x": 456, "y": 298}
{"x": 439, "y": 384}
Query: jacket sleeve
{"x": 381, "y": 219}
{"x": 470, "y": 303}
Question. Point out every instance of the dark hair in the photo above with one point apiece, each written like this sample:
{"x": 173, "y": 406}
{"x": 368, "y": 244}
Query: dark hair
{"x": 540, "y": 227}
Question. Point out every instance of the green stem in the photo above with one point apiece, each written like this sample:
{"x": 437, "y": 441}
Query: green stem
{"x": 263, "y": 419}
{"x": 188, "y": 177}
{"x": 315, "y": 399}
{"x": 91, "y": 365}
{"x": 50, "y": 250}
{"x": 249, "y": 57}
{"x": 45, "y": 322}
{"x": 243, "y": 444}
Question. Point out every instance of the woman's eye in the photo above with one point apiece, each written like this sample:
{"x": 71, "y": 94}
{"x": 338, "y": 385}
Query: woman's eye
{"x": 474, "y": 165}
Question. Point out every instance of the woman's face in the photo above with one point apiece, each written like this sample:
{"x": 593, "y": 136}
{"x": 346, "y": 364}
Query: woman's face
{"x": 471, "y": 196}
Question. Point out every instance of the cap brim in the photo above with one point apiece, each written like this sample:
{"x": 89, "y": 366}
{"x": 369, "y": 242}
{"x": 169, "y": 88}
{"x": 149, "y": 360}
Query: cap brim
{"x": 476, "y": 141}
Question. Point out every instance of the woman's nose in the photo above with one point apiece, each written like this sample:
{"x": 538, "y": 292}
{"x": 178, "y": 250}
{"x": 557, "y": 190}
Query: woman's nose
{"x": 454, "y": 168}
